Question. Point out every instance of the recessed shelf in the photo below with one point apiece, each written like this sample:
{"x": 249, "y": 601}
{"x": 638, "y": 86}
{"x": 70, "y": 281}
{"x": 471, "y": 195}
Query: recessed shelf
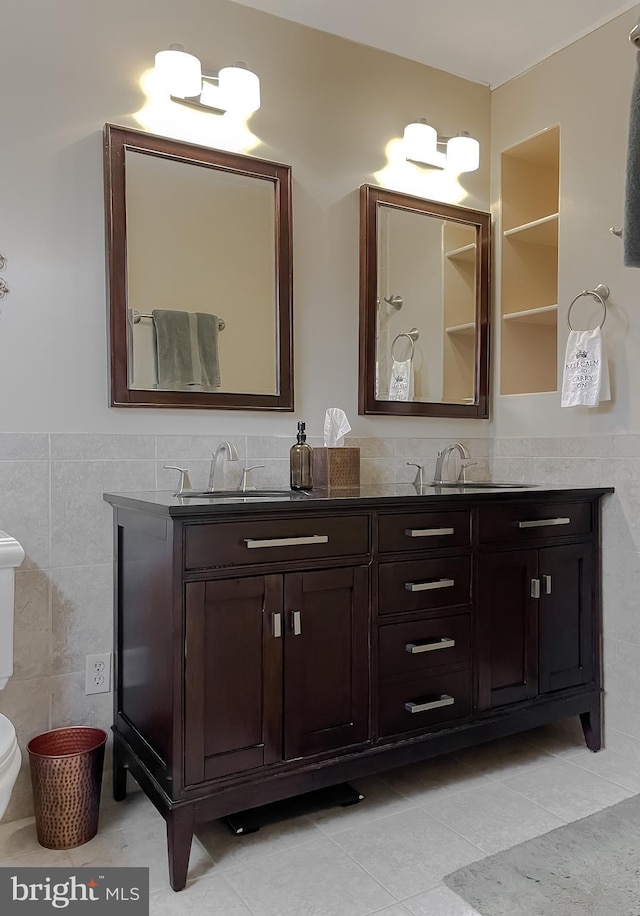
{"x": 468, "y": 329}
{"x": 543, "y": 231}
{"x": 466, "y": 253}
{"x": 545, "y": 315}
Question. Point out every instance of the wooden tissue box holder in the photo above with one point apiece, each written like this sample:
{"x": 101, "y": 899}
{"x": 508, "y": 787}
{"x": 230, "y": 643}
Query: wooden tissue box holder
{"x": 336, "y": 468}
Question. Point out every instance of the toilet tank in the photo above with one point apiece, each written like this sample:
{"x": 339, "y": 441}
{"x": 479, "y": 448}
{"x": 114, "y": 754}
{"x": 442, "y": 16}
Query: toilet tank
{"x": 11, "y": 555}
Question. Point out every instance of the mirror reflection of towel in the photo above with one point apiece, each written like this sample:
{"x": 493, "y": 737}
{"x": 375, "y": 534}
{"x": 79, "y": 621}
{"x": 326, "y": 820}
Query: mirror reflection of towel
{"x": 186, "y": 350}
{"x": 401, "y": 382}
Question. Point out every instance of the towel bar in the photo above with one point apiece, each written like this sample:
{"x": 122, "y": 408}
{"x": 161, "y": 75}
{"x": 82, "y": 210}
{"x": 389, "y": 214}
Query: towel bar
{"x": 137, "y": 316}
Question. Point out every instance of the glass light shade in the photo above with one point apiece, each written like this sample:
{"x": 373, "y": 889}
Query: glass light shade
{"x": 239, "y": 89}
{"x": 179, "y": 72}
{"x": 420, "y": 142}
{"x": 463, "y": 153}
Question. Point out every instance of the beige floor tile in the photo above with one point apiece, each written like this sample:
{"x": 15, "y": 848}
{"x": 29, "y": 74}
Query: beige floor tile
{"x": 379, "y": 801}
{"x": 504, "y": 758}
{"x": 229, "y": 851}
{"x": 439, "y": 902}
{"x": 610, "y": 766}
{"x": 317, "y": 879}
{"x": 494, "y": 818}
{"x": 210, "y": 896}
{"x": 434, "y": 779}
{"x": 566, "y": 790}
{"x": 408, "y": 852}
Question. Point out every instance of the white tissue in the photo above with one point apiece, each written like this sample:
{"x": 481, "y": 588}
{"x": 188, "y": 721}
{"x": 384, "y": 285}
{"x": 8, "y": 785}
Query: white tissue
{"x": 336, "y": 427}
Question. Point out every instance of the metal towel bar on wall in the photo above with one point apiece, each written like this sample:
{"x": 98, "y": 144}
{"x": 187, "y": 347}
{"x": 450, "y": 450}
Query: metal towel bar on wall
{"x": 136, "y": 317}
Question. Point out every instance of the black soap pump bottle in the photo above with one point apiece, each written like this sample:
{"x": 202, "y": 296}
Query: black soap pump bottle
{"x": 300, "y": 462}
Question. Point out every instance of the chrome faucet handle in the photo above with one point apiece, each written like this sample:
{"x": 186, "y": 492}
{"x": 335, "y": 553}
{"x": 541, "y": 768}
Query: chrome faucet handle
{"x": 419, "y": 479}
{"x": 247, "y": 482}
{"x": 185, "y": 482}
{"x": 462, "y": 473}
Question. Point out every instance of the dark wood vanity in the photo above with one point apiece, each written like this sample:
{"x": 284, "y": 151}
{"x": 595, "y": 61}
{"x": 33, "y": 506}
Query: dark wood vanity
{"x": 265, "y": 649}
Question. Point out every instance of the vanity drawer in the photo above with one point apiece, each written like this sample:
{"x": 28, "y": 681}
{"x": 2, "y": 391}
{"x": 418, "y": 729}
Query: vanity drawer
{"x": 525, "y": 521}
{"x": 405, "y": 647}
{"x": 242, "y": 543}
{"x": 423, "y": 530}
{"x": 423, "y": 585}
{"x": 418, "y": 703}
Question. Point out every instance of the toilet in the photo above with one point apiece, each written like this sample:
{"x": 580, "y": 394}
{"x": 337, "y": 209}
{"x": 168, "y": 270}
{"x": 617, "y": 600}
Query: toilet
{"x": 11, "y": 556}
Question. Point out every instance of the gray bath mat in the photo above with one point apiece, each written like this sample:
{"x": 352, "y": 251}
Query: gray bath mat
{"x": 588, "y": 868}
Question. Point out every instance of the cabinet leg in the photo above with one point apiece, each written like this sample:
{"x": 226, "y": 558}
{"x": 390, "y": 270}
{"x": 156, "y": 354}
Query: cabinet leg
{"x": 592, "y": 728}
{"x": 119, "y": 774}
{"x": 180, "y": 823}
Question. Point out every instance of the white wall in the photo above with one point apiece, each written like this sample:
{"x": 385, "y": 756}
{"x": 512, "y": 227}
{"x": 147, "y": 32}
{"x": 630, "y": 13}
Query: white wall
{"x": 329, "y": 109}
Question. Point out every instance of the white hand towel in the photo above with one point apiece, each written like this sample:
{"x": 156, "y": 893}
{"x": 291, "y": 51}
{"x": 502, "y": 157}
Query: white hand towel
{"x": 585, "y": 381}
{"x": 401, "y": 382}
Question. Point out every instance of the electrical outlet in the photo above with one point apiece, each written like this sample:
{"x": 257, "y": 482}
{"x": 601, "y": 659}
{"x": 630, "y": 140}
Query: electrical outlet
{"x": 97, "y": 677}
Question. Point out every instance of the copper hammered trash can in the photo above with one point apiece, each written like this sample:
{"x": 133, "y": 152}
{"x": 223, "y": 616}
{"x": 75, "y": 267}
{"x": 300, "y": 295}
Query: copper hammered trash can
{"x": 66, "y": 775}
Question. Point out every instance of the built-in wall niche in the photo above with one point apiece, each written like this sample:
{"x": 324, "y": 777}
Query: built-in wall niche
{"x": 529, "y": 299}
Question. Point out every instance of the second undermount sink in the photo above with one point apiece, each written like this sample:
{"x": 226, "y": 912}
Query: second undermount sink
{"x": 244, "y": 494}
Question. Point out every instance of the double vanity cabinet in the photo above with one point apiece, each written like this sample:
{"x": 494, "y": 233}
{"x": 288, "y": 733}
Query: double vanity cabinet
{"x": 266, "y": 648}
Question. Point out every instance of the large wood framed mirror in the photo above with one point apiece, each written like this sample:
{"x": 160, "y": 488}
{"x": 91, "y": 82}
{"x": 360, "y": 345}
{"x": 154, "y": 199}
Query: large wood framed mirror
{"x": 199, "y": 263}
{"x": 424, "y": 307}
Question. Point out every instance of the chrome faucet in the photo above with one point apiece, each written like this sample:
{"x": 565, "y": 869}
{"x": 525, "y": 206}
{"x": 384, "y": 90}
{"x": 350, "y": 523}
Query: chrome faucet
{"x": 445, "y": 455}
{"x": 225, "y": 450}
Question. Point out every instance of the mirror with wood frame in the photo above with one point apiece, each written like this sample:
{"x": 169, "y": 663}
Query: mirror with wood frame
{"x": 199, "y": 262}
{"x": 424, "y": 307}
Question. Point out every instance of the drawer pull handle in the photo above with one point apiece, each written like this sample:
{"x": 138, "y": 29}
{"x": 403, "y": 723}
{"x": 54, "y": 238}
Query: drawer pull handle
{"x": 430, "y": 645}
{"x": 535, "y": 588}
{"x": 425, "y": 586}
{"x": 428, "y": 532}
{"x": 276, "y": 625}
{"x": 444, "y": 700}
{"x": 287, "y": 542}
{"x": 543, "y": 522}
{"x": 546, "y": 581}
{"x": 296, "y": 623}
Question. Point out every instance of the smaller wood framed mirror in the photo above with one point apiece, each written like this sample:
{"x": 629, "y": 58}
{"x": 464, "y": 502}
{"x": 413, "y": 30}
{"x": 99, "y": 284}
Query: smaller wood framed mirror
{"x": 424, "y": 307}
{"x": 199, "y": 264}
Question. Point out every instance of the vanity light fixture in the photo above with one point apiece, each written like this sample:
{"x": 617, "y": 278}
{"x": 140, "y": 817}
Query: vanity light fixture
{"x": 422, "y": 145}
{"x": 235, "y": 89}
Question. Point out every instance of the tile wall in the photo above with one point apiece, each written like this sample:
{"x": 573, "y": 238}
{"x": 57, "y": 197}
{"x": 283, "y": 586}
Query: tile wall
{"x": 52, "y": 487}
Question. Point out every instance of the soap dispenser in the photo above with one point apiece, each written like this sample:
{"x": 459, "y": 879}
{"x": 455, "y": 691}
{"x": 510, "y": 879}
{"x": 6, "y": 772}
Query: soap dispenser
{"x": 300, "y": 462}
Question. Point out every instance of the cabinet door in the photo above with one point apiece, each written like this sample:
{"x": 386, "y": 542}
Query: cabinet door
{"x": 326, "y": 668}
{"x": 566, "y": 617}
{"x": 233, "y": 670}
{"x": 507, "y": 628}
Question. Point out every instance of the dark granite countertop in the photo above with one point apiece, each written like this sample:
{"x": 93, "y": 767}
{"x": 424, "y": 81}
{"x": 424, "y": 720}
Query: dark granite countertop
{"x": 163, "y": 502}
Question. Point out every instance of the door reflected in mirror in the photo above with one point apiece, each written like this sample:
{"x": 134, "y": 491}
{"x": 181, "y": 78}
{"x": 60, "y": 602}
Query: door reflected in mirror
{"x": 199, "y": 260}
{"x": 424, "y": 306}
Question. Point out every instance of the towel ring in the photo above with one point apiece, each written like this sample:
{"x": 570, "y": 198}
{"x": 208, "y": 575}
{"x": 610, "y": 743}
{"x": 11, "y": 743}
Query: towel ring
{"x": 600, "y": 294}
{"x": 411, "y": 336}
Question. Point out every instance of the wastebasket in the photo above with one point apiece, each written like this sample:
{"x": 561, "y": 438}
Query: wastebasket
{"x": 66, "y": 774}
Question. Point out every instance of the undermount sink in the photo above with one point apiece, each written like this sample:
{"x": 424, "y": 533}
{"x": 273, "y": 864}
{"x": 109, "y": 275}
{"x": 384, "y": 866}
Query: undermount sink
{"x": 243, "y": 494}
{"x": 483, "y": 485}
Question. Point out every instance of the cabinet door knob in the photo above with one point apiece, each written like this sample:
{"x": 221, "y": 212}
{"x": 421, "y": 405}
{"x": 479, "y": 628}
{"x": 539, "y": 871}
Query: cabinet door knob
{"x": 296, "y": 623}
{"x": 443, "y": 700}
{"x": 535, "y": 588}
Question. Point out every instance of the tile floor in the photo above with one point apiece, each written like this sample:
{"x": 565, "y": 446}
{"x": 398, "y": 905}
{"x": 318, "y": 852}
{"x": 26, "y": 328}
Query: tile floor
{"x": 386, "y": 856}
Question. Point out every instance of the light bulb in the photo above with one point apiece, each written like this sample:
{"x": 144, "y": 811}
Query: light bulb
{"x": 463, "y": 153}
{"x": 420, "y": 142}
{"x": 179, "y": 72}
{"x": 239, "y": 89}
